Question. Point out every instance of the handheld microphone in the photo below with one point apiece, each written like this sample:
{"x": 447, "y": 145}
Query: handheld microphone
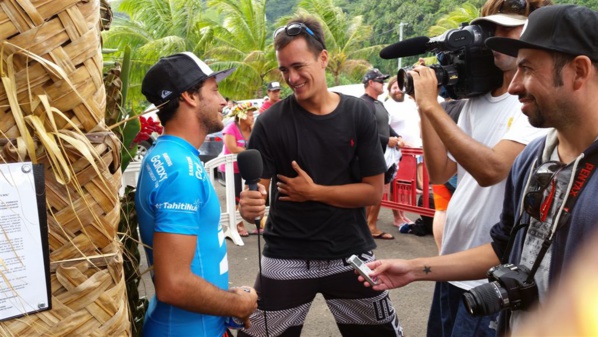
{"x": 410, "y": 47}
{"x": 250, "y": 167}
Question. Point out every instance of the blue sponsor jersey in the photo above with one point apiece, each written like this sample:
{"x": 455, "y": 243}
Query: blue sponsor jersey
{"x": 174, "y": 195}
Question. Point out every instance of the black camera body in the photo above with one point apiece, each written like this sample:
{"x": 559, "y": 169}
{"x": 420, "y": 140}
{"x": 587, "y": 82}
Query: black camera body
{"x": 466, "y": 66}
{"x": 509, "y": 287}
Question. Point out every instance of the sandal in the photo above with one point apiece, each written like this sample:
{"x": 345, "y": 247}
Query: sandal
{"x": 255, "y": 232}
{"x": 383, "y": 236}
{"x": 242, "y": 232}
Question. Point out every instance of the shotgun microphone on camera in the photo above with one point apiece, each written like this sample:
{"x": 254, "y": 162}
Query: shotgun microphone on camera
{"x": 410, "y": 47}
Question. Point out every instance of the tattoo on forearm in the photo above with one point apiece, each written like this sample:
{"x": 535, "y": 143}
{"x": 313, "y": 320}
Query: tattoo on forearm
{"x": 427, "y": 270}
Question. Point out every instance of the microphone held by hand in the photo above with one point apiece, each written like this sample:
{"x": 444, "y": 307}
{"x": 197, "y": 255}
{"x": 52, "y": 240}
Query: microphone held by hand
{"x": 250, "y": 167}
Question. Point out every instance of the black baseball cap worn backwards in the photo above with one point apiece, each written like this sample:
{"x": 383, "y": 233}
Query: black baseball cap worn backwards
{"x": 568, "y": 29}
{"x": 174, "y": 74}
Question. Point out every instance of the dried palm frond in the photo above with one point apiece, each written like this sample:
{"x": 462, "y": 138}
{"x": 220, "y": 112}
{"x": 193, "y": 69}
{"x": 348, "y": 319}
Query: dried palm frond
{"x": 55, "y": 52}
{"x": 52, "y": 103}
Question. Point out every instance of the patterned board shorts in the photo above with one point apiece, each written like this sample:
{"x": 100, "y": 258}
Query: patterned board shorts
{"x": 290, "y": 286}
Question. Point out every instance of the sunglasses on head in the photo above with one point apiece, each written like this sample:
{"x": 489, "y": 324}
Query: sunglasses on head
{"x": 534, "y": 202}
{"x": 295, "y": 29}
{"x": 512, "y": 7}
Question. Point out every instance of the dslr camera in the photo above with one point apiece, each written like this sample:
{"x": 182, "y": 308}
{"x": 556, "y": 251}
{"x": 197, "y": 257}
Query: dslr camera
{"x": 466, "y": 66}
{"x": 509, "y": 287}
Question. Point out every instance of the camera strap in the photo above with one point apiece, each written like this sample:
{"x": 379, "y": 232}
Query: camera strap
{"x": 583, "y": 172}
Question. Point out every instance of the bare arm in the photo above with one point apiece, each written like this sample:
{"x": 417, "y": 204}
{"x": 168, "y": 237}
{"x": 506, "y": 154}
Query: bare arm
{"x": 302, "y": 188}
{"x": 440, "y": 167}
{"x": 231, "y": 144}
{"x": 471, "y": 264}
{"x": 489, "y": 165}
{"x": 177, "y": 285}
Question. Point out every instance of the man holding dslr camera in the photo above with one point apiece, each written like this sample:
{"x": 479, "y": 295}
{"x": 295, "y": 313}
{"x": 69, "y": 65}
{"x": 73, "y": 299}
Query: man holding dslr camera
{"x": 480, "y": 148}
{"x": 549, "y": 202}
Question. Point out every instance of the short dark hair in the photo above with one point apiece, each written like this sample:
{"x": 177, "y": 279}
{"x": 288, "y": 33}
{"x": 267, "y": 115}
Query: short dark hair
{"x": 282, "y": 40}
{"x": 559, "y": 60}
{"x": 167, "y": 112}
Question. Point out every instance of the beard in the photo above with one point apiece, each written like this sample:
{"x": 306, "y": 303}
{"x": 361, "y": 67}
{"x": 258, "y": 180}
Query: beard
{"x": 557, "y": 114}
{"x": 209, "y": 117}
{"x": 398, "y": 98}
{"x": 213, "y": 126}
{"x": 536, "y": 120}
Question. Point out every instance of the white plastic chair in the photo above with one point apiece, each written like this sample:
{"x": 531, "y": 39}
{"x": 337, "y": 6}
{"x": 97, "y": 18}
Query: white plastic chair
{"x": 130, "y": 176}
{"x": 229, "y": 216}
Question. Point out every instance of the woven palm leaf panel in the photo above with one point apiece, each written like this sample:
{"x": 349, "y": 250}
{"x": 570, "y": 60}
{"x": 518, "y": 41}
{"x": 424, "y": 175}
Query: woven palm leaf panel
{"x": 52, "y": 103}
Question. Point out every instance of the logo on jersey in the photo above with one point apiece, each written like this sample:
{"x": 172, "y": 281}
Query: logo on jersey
{"x": 159, "y": 168}
{"x": 180, "y": 206}
{"x": 195, "y": 169}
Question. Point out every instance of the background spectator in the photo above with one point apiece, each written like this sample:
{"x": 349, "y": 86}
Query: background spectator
{"x": 236, "y": 136}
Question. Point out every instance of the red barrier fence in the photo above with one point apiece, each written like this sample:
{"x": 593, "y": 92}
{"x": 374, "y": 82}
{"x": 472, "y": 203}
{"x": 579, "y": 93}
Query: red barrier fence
{"x": 404, "y": 186}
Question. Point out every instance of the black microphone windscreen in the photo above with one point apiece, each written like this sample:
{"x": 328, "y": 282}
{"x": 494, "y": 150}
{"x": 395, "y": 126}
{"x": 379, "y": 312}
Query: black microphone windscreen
{"x": 409, "y": 47}
{"x": 250, "y": 165}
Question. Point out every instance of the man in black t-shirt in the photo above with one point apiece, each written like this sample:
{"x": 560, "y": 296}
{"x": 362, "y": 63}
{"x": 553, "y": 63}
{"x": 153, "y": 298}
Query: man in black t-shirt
{"x": 373, "y": 82}
{"x": 323, "y": 154}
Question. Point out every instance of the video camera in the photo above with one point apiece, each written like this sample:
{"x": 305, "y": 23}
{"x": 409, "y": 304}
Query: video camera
{"x": 466, "y": 66}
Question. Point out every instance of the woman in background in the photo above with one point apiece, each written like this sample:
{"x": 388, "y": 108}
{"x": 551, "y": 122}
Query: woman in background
{"x": 236, "y": 136}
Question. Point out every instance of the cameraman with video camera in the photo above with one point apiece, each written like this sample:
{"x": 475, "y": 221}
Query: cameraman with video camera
{"x": 480, "y": 148}
{"x": 548, "y": 212}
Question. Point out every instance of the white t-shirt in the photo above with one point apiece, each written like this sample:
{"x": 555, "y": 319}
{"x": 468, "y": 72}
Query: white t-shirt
{"x": 473, "y": 209}
{"x": 405, "y": 120}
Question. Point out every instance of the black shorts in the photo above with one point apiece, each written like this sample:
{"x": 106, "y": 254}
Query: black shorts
{"x": 290, "y": 286}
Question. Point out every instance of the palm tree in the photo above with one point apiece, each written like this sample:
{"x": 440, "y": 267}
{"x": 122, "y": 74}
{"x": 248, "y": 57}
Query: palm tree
{"x": 452, "y": 20}
{"x": 155, "y": 28}
{"x": 345, "y": 39}
{"x": 241, "y": 40}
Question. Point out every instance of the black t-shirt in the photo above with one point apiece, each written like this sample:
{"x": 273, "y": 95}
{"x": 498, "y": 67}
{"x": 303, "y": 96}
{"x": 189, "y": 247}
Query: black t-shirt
{"x": 326, "y": 148}
{"x": 382, "y": 116}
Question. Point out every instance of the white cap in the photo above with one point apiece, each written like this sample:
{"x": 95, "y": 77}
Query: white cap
{"x": 502, "y": 19}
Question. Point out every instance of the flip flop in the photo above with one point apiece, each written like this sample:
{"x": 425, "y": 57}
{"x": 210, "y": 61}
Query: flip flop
{"x": 243, "y": 233}
{"x": 254, "y": 232}
{"x": 381, "y": 236}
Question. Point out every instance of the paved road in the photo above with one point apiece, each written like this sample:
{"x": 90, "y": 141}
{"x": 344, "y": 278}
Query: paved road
{"x": 412, "y": 302}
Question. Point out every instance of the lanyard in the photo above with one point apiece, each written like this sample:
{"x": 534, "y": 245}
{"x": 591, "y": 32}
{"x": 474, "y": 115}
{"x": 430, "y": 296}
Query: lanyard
{"x": 585, "y": 168}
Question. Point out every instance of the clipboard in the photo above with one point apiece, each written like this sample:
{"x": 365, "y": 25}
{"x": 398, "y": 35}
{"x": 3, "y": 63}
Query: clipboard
{"x": 25, "y": 287}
